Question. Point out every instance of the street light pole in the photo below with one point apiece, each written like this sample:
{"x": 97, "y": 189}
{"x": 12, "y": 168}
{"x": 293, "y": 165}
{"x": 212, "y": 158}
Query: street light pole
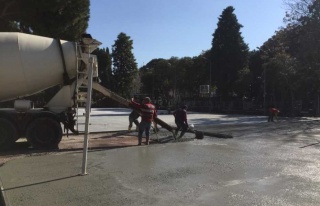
{"x": 209, "y": 82}
{"x": 210, "y": 87}
{"x": 153, "y": 74}
{"x": 175, "y": 84}
{"x": 264, "y": 91}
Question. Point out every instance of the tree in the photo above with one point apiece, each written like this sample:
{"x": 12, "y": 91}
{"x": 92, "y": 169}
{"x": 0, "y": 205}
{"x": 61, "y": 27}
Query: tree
{"x": 256, "y": 71}
{"x": 124, "y": 64}
{"x": 104, "y": 67}
{"x": 157, "y": 78}
{"x": 282, "y": 77}
{"x": 229, "y": 53}
{"x": 303, "y": 23}
{"x": 108, "y": 71}
{"x": 199, "y": 74}
{"x": 10, "y": 14}
{"x": 183, "y": 76}
{"x": 58, "y": 19}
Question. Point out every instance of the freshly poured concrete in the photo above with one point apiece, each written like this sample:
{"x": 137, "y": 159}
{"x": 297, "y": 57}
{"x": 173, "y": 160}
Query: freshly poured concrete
{"x": 264, "y": 164}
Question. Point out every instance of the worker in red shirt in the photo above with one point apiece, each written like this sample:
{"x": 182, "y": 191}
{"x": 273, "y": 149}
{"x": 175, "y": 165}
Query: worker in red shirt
{"x": 148, "y": 114}
{"x": 273, "y": 112}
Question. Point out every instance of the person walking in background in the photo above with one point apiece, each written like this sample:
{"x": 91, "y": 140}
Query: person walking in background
{"x": 133, "y": 118}
{"x": 148, "y": 114}
{"x": 180, "y": 118}
{"x": 273, "y": 112}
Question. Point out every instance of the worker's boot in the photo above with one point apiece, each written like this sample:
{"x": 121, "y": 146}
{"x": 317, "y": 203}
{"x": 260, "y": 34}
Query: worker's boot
{"x": 181, "y": 134}
{"x": 147, "y": 140}
{"x": 137, "y": 129}
{"x": 129, "y": 129}
{"x": 175, "y": 133}
{"x": 139, "y": 140}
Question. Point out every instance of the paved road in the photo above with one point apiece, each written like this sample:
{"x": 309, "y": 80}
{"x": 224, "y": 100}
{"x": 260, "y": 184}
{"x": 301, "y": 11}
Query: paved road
{"x": 264, "y": 164}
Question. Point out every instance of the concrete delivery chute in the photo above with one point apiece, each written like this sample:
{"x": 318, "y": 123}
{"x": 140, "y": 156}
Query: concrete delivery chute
{"x": 30, "y": 64}
{"x": 126, "y": 103}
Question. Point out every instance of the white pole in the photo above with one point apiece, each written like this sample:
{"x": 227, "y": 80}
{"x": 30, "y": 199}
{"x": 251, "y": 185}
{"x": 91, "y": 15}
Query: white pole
{"x": 88, "y": 109}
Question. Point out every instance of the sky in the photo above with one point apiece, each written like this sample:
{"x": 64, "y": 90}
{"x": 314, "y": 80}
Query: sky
{"x": 179, "y": 28}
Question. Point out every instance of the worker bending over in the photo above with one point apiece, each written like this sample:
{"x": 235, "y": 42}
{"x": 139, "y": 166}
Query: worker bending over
{"x": 180, "y": 118}
{"x": 273, "y": 112}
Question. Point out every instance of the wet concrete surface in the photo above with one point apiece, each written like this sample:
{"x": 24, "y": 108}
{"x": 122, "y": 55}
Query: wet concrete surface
{"x": 263, "y": 164}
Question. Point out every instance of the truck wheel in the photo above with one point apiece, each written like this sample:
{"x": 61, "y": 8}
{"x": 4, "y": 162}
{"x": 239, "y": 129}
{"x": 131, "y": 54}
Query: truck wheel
{"x": 8, "y": 134}
{"x": 44, "y": 132}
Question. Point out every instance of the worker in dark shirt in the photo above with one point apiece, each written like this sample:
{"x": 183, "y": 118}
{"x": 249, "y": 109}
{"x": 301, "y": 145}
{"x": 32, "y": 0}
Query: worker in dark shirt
{"x": 180, "y": 118}
{"x": 133, "y": 118}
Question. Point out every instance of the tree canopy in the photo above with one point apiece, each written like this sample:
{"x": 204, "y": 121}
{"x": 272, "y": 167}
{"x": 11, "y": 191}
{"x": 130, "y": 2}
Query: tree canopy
{"x": 124, "y": 64}
{"x": 229, "y": 53}
{"x": 64, "y": 19}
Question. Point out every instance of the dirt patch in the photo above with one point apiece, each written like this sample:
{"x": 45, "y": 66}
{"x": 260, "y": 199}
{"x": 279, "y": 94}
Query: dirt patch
{"x": 107, "y": 140}
{"x": 99, "y": 140}
{"x": 71, "y": 143}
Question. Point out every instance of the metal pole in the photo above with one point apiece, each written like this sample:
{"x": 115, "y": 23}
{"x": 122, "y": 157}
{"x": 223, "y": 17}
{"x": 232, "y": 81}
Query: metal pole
{"x": 175, "y": 84}
{"x": 210, "y": 78}
{"x": 153, "y": 72}
{"x": 210, "y": 87}
{"x": 88, "y": 109}
{"x": 264, "y": 91}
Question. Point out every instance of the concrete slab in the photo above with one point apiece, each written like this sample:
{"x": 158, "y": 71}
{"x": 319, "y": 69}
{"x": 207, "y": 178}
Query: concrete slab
{"x": 117, "y": 119}
{"x": 264, "y": 164}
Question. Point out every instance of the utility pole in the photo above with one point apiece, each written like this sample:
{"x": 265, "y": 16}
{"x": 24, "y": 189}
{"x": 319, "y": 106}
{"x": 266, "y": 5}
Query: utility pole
{"x": 210, "y": 105}
{"x": 209, "y": 82}
{"x": 153, "y": 74}
{"x": 264, "y": 90}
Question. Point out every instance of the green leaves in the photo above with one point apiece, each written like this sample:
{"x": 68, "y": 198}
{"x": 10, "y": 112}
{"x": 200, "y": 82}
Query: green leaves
{"x": 66, "y": 19}
{"x": 124, "y": 65}
{"x": 229, "y": 53}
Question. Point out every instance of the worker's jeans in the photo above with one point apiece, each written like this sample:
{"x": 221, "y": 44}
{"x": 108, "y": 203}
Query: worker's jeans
{"x": 144, "y": 126}
{"x": 181, "y": 125}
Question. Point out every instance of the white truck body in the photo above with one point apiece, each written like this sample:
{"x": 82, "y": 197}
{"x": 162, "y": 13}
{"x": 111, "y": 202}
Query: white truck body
{"x": 30, "y": 64}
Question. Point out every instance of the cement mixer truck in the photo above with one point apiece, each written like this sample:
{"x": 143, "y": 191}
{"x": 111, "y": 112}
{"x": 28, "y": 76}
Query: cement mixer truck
{"x": 30, "y": 64}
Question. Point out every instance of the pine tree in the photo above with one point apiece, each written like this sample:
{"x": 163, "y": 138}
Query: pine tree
{"x": 229, "y": 53}
{"x": 124, "y": 64}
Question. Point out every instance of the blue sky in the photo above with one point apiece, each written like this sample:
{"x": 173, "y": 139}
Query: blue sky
{"x": 179, "y": 28}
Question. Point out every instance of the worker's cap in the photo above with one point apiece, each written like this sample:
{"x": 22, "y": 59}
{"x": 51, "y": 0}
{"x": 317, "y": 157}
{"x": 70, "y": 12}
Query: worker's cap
{"x": 147, "y": 99}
